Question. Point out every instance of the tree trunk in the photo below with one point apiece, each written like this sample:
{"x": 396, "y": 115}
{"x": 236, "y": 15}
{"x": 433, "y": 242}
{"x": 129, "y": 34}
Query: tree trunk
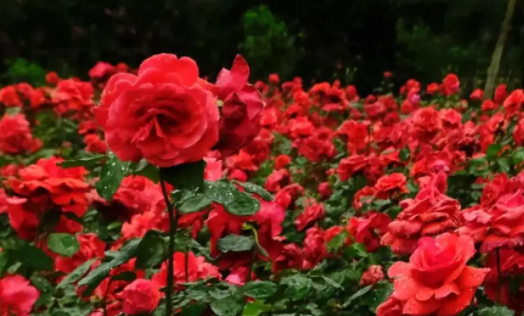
{"x": 493, "y": 69}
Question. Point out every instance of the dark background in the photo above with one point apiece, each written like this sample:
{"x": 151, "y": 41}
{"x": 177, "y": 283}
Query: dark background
{"x": 352, "y": 40}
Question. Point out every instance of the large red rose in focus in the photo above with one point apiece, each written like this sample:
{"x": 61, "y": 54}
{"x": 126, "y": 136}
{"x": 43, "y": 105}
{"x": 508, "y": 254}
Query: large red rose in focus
{"x": 161, "y": 115}
{"x": 437, "y": 280}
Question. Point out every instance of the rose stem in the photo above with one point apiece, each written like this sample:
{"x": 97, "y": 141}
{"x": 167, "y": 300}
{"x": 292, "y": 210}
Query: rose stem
{"x": 173, "y": 226}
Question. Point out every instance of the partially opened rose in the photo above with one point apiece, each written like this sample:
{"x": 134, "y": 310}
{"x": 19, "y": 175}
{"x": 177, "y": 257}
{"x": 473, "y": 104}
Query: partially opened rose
{"x": 437, "y": 279}
{"x": 161, "y": 115}
{"x": 241, "y": 109}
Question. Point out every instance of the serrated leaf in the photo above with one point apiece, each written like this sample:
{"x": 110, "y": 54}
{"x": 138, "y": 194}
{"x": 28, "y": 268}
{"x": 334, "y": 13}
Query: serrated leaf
{"x": 243, "y": 205}
{"x": 112, "y": 174}
{"x": 255, "y": 308}
{"x": 185, "y": 176}
{"x": 404, "y": 154}
{"x": 253, "y": 188}
{"x": 259, "y": 289}
{"x": 195, "y": 204}
{"x": 298, "y": 286}
{"x": 235, "y": 243}
{"x": 145, "y": 169}
{"x": 381, "y": 292}
{"x": 63, "y": 244}
{"x": 76, "y": 274}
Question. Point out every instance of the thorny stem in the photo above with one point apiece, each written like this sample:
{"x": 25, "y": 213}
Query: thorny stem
{"x": 173, "y": 226}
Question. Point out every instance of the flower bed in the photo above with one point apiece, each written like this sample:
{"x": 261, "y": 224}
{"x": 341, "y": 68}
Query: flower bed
{"x": 155, "y": 192}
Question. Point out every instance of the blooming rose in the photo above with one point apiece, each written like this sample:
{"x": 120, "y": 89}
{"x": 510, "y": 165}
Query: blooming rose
{"x": 437, "y": 279}
{"x": 241, "y": 109}
{"x": 102, "y": 70}
{"x": 161, "y": 115}
{"x": 429, "y": 214}
{"x": 141, "y": 296}
{"x": 9, "y": 96}
{"x": 426, "y": 123}
{"x": 15, "y": 136}
{"x": 368, "y": 229}
{"x": 372, "y": 275}
{"x": 197, "y": 269}
{"x": 17, "y": 296}
{"x": 310, "y": 214}
{"x": 390, "y": 184}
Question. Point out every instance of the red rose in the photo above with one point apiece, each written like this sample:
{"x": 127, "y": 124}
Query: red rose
{"x": 518, "y": 133}
{"x": 17, "y": 296}
{"x": 372, "y": 275}
{"x": 512, "y": 105}
{"x": 324, "y": 189}
{"x": 390, "y": 184}
{"x": 426, "y": 124}
{"x": 15, "y": 136}
{"x": 72, "y": 96}
{"x": 310, "y": 214}
{"x": 437, "y": 278}
{"x": 9, "y": 97}
{"x": 351, "y": 165}
{"x": 314, "y": 249}
{"x": 432, "y": 88}
{"x": 141, "y": 296}
{"x": 281, "y": 161}
{"x": 391, "y": 307}
{"x": 477, "y": 95}
{"x": 52, "y": 78}
{"x": 368, "y": 229}
{"x": 161, "y": 115}
{"x": 241, "y": 109}
{"x": 429, "y": 214}
{"x": 101, "y": 70}
{"x": 500, "y": 94}
{"x": 450, "y": 85}
{"x": 197, "y": 269}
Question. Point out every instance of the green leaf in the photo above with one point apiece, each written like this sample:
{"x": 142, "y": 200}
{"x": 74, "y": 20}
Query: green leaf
{"x": 517, "y": 156}
{"x": 221, "y": 192}
{"x": 243, "y": 205}
{"x": 64, "y": 244}
{"x": 259, "y": 289}
{"x": 34, "y": 258}
{"x": 495, "y": 311}
{"x": 404, "y": 154}
{"x": 337, "y": 242}
{"x": 96, "y": 276}
{"x": 45, "y": 288}
{"x": 125, "y": 276}
{"x": 150, "y": 251}
{"x": 195, "y": 204}
{"x": 381, "y": 293}
{"x": 357, "y": 294}
{"x": 83, "y": 162}
{"x": 185, "y": 176}
{"x": 4, "y": 261}
{"x": 235, "y": 243}
{"x": 504, "y": 164}
{"x": 193, "y": 309}
{"x": 493, "y": 150}
{"x": 298, "y": 286}
{"x": 253, "y": 188}
{"x": 255, "y": 308}
{"x": 145, "y": 169}
{"x": 77, "y": 273}
{"x": 112, "y": 174}
{"x": 229, "y": 306}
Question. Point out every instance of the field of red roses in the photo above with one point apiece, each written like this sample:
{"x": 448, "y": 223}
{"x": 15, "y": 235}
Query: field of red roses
{"x": 154, "y": 191}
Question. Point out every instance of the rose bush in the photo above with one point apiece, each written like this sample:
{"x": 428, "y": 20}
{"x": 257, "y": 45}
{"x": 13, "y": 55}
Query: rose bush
{"x": 154, "y": 191}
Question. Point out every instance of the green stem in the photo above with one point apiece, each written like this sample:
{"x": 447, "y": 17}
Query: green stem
{"x": 173, "y": 226}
